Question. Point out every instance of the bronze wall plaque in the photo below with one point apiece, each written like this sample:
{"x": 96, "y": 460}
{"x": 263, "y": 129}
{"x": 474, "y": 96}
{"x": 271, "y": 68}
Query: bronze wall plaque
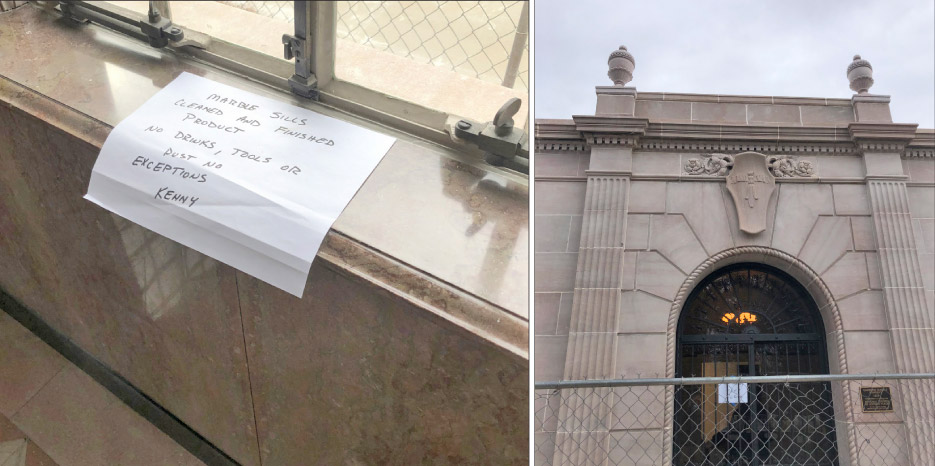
{"x": 876, "y": 399}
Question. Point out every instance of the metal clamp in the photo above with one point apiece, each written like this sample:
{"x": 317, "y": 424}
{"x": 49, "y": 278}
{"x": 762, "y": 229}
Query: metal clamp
{"x": 305, "y": 86}
{"x": 157, "y": 29}
{"x": 504, "y": 144}
{"x": 298, "y": 46}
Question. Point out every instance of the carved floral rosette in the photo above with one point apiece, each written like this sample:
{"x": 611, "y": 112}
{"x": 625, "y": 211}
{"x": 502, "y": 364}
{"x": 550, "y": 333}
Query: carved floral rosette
{"x": 780, "y": 166}
{"x": 787, "y": 166}
{"x": 710, "y": 164}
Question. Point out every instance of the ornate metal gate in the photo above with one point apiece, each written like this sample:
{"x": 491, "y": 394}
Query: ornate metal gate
{"x": 752, "y": 320}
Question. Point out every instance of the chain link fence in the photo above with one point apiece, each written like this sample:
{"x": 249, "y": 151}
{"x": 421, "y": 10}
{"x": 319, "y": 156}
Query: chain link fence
{"x": 794, "y": 420}
{"x": 485, "y": 40}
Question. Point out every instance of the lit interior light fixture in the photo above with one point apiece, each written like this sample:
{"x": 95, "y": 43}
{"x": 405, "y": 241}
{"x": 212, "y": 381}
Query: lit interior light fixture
{"x": 743, "y": 318}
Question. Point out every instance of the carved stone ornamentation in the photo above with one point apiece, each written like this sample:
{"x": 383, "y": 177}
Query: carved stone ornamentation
{"x": 710, "y": 164}
{"x": 787, "y": 166}
{"x": 860, "y": 75}
{"x": 751, "y": 184}
{"x": 620, "y": 66}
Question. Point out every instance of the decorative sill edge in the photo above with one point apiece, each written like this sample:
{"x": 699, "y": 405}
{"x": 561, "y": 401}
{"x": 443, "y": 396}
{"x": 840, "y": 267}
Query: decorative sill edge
{"x": 477, "y": 316}
{"x": 489, "y": 322}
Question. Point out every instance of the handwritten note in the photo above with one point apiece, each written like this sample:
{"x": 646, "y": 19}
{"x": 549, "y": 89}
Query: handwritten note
{"x": 250, "y": 181}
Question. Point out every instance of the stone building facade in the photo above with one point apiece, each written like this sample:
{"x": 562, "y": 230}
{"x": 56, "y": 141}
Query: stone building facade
{"x": 641, "y": 202}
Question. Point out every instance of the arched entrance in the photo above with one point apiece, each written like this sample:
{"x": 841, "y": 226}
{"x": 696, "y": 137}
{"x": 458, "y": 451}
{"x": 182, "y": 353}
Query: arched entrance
{"x": 752, "y": 320}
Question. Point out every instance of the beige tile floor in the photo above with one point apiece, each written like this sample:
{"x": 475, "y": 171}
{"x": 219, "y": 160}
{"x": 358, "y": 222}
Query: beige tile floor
{"x": 52, "y": 413}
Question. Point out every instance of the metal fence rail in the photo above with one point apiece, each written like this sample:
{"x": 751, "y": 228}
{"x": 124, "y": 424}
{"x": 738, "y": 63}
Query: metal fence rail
{"x": 785, "y": 420}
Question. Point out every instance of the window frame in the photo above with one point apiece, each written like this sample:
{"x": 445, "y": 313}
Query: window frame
{"x": 320, "y": 18}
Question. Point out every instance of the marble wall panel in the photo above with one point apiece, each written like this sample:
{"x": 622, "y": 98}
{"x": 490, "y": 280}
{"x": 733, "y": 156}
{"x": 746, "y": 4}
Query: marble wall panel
{"x": 869, "y": 352}
{"x": 703, "y": 207}
{"x": 161, "y": 315}
{"x": 863, "y": 311}
{"x": 356, "y": 375}
{"x": 851, "y": 199}
{"x": 642, "y": 313}
{"x": 827, "y": 242}
{"x": 719, "y": 113}
{"x": 547, "y": 308}
{"x": 656, "y": 275}
{"x": 552, "y": 232}
{"x": 786, "y": 114}
{"x": 549, "y": 360}
{"x": 646, "y": 197}
{"x": 557, "y": 163}
{"x": 862, "y": 229}
{"x": 674, "y": 238}
{"x": 657, "y": 164}
{"x": 661, "y": 110}
{"x": 799, "y": 206}
{"x": 555, "y": 272}
{"x": 840, "y": 166}
{"x": 637, "y": 232}
{"x": 559, "y": 197}
{"x": 919, "y": 169}
{"x": 821, "y": 115}
{"x": 847, "y": 276}
{"x": 921, "y": 201}
{"x": 640, "y": 355}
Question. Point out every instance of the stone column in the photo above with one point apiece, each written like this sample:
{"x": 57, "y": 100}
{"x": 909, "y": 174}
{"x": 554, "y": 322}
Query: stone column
{"x": 911, "y": 326}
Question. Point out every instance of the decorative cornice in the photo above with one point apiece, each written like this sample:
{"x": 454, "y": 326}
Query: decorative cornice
{"x": 922, "y": 145}
{"x": 611, "y": 139}
{"x": 563, "y": 146}
{"x": 645, "y": 144}
{"x": 898, "y": 133}
{"x": 913, "y": 152}
{"x": 611, "y": 125}
{"x": 676, "y": 145}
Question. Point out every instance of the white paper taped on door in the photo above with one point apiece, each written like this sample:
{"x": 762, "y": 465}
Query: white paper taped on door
{"x": 250, "y": 181}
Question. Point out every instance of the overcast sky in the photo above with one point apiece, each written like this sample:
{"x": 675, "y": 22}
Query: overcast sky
{"x": 782, "y": 48}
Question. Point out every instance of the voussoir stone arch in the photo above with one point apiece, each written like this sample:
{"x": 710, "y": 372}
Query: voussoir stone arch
{"x": 799, "y": 271}
{"x": 783, "y": 261}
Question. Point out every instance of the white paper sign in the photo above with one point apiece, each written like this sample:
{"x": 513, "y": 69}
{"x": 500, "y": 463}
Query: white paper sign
{"x": 250, "y": 181}
{"x": 732, "y": 393}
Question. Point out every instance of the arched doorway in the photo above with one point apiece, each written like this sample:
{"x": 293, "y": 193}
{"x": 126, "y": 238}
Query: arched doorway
{"x": 752, "y": 320}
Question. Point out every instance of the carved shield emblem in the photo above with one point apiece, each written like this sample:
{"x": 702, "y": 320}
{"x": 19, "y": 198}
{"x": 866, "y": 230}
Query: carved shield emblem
{"x": 751, "y": 184}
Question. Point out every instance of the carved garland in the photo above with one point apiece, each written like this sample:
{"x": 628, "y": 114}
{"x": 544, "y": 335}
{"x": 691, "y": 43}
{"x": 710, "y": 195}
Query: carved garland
{"x": 711, "y": 264}
{"x": 781, "y": 166}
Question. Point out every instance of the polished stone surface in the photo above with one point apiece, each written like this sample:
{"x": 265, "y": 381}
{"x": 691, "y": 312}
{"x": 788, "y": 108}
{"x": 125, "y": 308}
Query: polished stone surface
{"x": 410, "y": 341}
{"x": 165, "y": 317}
{"x": 476, "y": 219}
{"x": 68, "y": 419}
{"x": 353, "y": 375}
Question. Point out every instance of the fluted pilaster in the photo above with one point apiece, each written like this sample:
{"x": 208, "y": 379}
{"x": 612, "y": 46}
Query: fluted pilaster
{"x": 593, "y": 327}
{"x": 911, "y": 325}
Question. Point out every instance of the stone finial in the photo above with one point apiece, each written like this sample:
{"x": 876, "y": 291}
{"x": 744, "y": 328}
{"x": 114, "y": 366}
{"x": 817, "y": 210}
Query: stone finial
{"x": 860, "y": 74}
{"x": 621, "y": 66}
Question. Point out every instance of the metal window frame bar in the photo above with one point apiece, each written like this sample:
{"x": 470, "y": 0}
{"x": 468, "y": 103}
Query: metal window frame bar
{"x": 565, "y": 384}
{"x": 422, "y": 123}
